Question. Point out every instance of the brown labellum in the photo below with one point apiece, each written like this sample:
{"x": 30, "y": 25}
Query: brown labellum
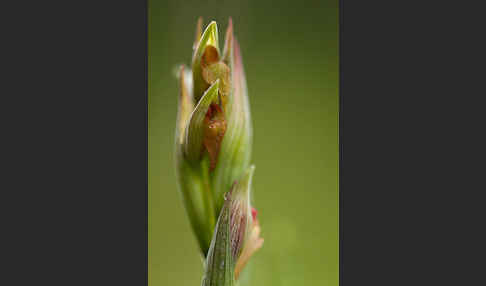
{"x": 215, "y": 127}
{"x": 209, "y": 56}
{"x": 218, "y": 70}
{"x": 212, "y": 69}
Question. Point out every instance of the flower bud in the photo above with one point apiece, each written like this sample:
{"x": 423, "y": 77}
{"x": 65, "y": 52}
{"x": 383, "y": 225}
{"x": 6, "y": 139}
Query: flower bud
{"x": 213, "y": 133}
{"x": 232, "y": 235}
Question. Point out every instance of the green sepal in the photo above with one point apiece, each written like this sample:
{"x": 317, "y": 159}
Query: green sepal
{"x": 209, "y": 38}
{"x": 193, "y": 143}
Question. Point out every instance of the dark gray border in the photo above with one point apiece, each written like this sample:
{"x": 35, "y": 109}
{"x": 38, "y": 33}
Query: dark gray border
{"x": 75, "y": 150}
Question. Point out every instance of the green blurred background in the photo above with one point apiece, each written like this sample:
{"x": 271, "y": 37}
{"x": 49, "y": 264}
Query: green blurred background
{"x": 290, "y": 55}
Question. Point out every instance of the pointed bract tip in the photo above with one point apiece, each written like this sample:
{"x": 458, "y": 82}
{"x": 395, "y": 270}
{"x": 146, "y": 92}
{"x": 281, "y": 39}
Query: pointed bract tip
{"x": 229, "y": 30}
{"x": 208, "y": 38}
{"x": 198, "y": 32}
{"x": 213, "y": 30}
{"x": 249, "y": 175}
{"x": 243, "y": 186}
{"x": 228, "y": 41}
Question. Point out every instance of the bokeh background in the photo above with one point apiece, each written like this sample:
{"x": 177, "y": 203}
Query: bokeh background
{"x": 290, "y": 55}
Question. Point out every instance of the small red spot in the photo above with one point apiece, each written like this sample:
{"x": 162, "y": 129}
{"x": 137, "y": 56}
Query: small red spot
{"x": 253, "y": 213}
